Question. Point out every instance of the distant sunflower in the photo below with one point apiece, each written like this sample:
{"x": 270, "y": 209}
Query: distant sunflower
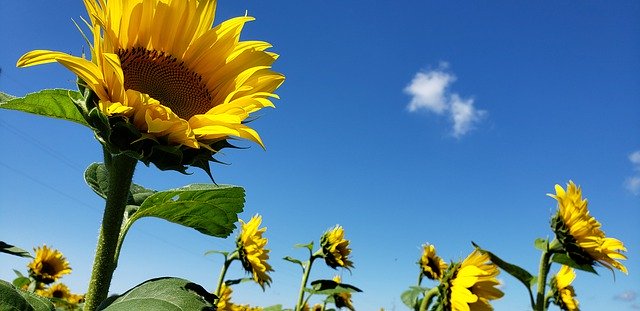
{"x": 431, "y": 265}
{"x": 580, "y": 233}
{"x": 48, "y": 265}
{"x": 342, "y": 300}
{"x": 471, "y": 284}
{"x": 224, "y": 301}
{"x": 57, "y": 290}
{"x": 563, "y": 293}
{"x": 158, "y": 65}
{"x": 336, "y": 248}
{"x": 252, "y": 251}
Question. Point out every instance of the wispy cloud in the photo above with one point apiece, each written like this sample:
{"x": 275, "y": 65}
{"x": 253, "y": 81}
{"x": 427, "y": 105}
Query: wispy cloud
{"x": 430, "y": 92}
{"x": 633, "y": 183}
{"x": 626, "y": 296}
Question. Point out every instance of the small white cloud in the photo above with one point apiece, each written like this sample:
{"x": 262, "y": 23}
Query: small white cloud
{"x": 427, "y": 91}
{"x": 635, "y": 160}
{"x": 464, "y": 115}
{"x": 633, "y": 184}
{"x": 430, "y": 92}
{"x": 626, "y": 296}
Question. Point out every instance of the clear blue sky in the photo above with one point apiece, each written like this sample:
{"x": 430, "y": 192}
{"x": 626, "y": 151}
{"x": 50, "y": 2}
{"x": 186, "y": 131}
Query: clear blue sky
{"x": 540, "y": 92}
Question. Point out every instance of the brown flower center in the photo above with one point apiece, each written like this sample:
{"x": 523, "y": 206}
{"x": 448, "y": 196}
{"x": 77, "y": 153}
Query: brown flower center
{"x": 48, "y": 268}
{"x": 166, "y": 79}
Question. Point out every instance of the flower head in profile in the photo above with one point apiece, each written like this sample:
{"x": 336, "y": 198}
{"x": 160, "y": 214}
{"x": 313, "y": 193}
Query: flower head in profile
{"x": 431, "y": 265}
{"x": 252, "y": 251}
{"x": 336, "y": 248}
{"x": 471, "y": 284}
{"x": 580, "y": 233}
{"x": 48, "y": 265}
{"x": 166, "y": 86}
{"x": 563, "y": 293}
{"x": 343, "y": 299}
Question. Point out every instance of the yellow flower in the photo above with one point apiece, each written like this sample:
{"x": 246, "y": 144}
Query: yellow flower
{"x": 432, "y": 266}
{"x": 224, "y": 301}
{"x": 48, "y": 265}
{"x": 471, "y": 284}
{"x": 158, "y": 65}
{"x": 57, "y": 290}
{"x": 563, "y": 293}
{"x": 317, "y": 307}
{"x": 580, "y": 233}
{"x": 342, "y": 300}
{"x": 252, "y": 251}
{"x": 336, "y": 248}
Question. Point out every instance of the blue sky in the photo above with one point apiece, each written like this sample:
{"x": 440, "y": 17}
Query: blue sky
{"x": 404, "y": 122}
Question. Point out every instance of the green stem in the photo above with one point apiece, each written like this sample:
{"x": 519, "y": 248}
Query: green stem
{"x": 428, "y": 296}
{"x": 223, "y": 271}
{"x": 542, "y": 280}
{"x": 305, "y": 277}
{"x": 120, "y": 169}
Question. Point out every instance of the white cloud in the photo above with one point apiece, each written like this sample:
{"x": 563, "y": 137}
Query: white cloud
{"x": 626, "y": 296}
{"x": 633, "y": 183}
{"x": 430, "y": 92}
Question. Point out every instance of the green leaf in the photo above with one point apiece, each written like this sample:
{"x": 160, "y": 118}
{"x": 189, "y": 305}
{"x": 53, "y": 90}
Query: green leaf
{"x": 21, "y": 282}
{"x": 162, "y": 294}
{"x": 541, "y": 244}
{"x": 296, "y": 261}
{"x": 521, "y": 274}
{"x": 210, "y": 209}
{"x": 4, "y": 97}
{"x": 12, "y": 299}
{"x": 308, "y": 246}
{"x": 323, "y": 285}
{"x": 273, "y": 308}
{"x": 411, "y": 297}
{"x": 55, "y": 103}
{"x": 225, "y": 254}
{"x": 563, "y": 259}
{"x": 10, "y": 249}
{"x": 97, "y": 177}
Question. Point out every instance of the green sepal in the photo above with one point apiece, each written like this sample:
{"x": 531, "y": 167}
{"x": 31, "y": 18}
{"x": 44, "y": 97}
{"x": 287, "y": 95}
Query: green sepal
{"x": 564, "y": 259}
{"x": 16, "y": 251}
{"x": 53, "y": 103}
{"x": 12, "y": 298}
{"x": 411, "y": 297}
{"x": 162, "y": 294}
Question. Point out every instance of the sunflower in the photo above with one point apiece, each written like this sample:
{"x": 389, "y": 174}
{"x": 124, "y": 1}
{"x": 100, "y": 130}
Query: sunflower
{"x": 166, "y": 82}
{"x": 336, "y": 248}
{"x": 431, "y": 265}
{"x": 57, "y": 290}
{"x": 580, "y": 233}
{"x": 224, "y": 301}
{"x": 48, "y": 265}
{"x": 342, "y": 300}
{"x": 563, "y": 293}
{"x": 252, "y": 252}
{"x": 471, "y": 284}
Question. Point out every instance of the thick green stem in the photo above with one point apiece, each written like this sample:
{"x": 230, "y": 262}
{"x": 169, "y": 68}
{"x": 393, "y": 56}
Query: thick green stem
{"x": 227, "y": 262}
{"x": 428, "y": 296}
{"x": 545, "y": 264}
{"x": 303, "y": 284}
{"x": 120, "y": 168}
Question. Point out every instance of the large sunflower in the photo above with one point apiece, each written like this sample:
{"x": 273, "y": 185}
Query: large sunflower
{"x": 48, "y": 265}
{"x": 336, "y": 248}
{"x": 580, "y": 233}
{"x": 431, "y": 265}
{"x": 252, "y": 251}
{"x": 471, "y": 284}
{"x": 563, "y": 293}
{"x": 158, "y": 64}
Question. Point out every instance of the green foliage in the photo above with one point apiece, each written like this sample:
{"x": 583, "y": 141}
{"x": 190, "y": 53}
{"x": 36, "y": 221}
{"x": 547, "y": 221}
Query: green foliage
{"x": 162, "y": 294}
{"x": 541, "y": 244}
{"x": 210, "y": 209}
{"x": 97, "y": 177}
{"x": 10, "y": 249}
{"x": 14, "y": 299}
{"x": 273, "y": 308}
{"x": 564, "y": 259}
{"x": 54, "y": 103}
{"x": 411, "y": 297}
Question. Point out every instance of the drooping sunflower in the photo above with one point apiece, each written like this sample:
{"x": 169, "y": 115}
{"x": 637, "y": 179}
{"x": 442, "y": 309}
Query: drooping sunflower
{"x": 342, "y": 300}
{"x": 167, "y": 84}
{"x": 252, "y": 252}
{"x": 563, "y": 293}
{"x": 580, "y": 233}
{"x": 48, "y": 265}
{"x": 471, "y": 284}
{"x": 431, "y": 265}
{"x": 336, "y": 248}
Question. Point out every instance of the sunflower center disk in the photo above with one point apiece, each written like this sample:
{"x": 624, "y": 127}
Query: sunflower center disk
{"x": 166, "y": 79}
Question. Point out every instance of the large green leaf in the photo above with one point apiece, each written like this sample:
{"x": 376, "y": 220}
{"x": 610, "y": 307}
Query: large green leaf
{"x": 54, "y": 103}
{"x": 162, "y": 294}
{"x": 10, "y": 249}
{"x": 96, "y": 176}
{"x": 13, "y": 299}
{"x": 411, "y": 297}
{"x": 210, "y": 209}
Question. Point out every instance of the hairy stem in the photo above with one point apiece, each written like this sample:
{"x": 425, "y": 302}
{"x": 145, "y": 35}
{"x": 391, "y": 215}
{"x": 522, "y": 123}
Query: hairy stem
{"x": 428, "y": 297}
{"x": 545, "y": 264}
